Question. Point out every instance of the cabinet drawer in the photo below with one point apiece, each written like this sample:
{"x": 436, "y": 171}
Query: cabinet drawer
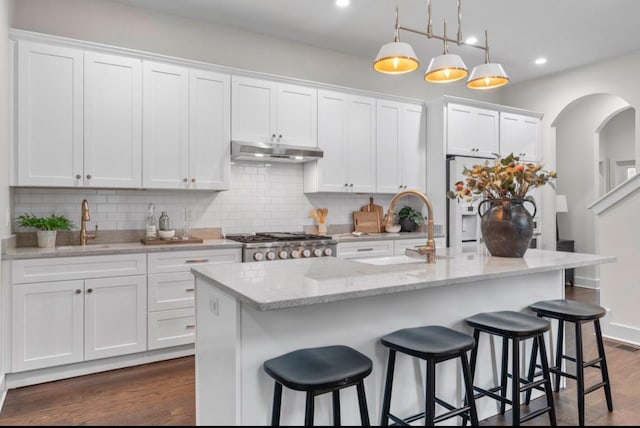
{"x": 182, "y": 261}
{"x": 350, "y": 250}
{"x": 84, "y": 267}
{"x": 172, "y": 328}
{"x": 170, "y": 291}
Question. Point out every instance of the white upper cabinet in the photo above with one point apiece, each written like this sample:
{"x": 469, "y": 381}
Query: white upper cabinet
{"x": 50, "y": 115}
{"x": 400, "y": 147}
{"x": 269, "y": 111}
{"x": 346, "y": 134}
{"x": 472, "y": 131}
{"x": 185, "y": 128}
{"x": 112, "y": 121}
{"x": 520, "y": 135}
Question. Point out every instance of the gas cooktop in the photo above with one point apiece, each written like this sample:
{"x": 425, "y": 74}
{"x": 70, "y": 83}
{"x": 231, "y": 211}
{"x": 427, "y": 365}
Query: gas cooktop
{"x": 276, "y": 237}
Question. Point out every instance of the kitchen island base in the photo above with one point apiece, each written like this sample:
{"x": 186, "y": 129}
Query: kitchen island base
{"x": 234, "y": 339}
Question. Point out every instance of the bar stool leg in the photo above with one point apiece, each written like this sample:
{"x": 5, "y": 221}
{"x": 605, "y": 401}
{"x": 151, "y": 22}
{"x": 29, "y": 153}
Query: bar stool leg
{"x": 336, "y": 407}
{"x": 309, "y": 409}
{"x": 559, "y": 354}
{"x": 603, "y": 365}
{"x": 580, "y": 373}
{"x": 386, "y": 401}
{"x": 277, "y": 401}
{"x": 532, "y": 370}
{"x": 505, "y": 370}
{"x": 515, "y": 382}
{"x": 468, "y": 386}
{"x": 547, "y": 376}
{"x": 362, "y": 403}
{"x": 430, "y": 393}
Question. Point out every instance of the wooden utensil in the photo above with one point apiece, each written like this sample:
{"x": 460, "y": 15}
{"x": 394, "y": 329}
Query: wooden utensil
{"x": 325, "y": 211}
{"x": 371, "y": 207}
{"x": 314, "y": 214}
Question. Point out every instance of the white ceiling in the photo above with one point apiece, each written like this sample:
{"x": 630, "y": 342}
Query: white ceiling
{"x": 569, "y": 33}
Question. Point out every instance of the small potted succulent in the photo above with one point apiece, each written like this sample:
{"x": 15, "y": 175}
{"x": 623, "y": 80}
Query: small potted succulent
{"x": 409, "y": 219}
{"x": 47, "y": 227}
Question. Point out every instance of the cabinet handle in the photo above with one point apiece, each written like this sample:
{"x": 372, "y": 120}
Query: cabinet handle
{"x": 279, "y": 137}
{"x": 191, "y": 326}
{"x": 351, "y": 185}
{"x": 190, "y": 289}
{"x": 197, "y": 261}
{"x": 364, "y": 249}
{"x": 78, "y": 176}
{"x": 273, "y": 136}
{"x": 193, "y": 180}
{"x": 88, "y": 176}
{"x": 89, "y": 290}
{"x": 78, "y": 291}
{"x": 346, "y": 184}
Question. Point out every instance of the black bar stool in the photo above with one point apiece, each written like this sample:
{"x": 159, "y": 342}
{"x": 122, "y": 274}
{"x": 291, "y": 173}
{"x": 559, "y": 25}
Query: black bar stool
{"x": 434, "y": 344}
{"x": 577, "y": 313}
{"x": 317, "y": 371}
{"x": 518, "y": 327}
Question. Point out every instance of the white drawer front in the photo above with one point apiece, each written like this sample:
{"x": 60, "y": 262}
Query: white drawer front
{"x": 84, "y": 267}
{"x": 183, "y": 261}
{"x": 172, "y": 328}
{"x": 351, "y": 250}
{"x": 170, "y": 291}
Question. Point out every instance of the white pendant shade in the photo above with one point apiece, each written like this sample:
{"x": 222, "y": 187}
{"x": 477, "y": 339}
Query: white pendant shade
{"x": 446, "y": 68}
{"x": 396, "y": 58}
{"x": 487, "y": 76}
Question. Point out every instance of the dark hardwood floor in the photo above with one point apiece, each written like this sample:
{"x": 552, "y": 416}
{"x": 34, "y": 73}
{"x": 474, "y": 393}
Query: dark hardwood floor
{"x": 163, "y": 393}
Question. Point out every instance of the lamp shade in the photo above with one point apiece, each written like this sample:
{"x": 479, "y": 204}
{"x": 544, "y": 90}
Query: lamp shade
{"x": 561, "y": 204}
{"x": 445, "y": 68}
{"x": 487, "y": 76}
{"x": 396, "y": 58}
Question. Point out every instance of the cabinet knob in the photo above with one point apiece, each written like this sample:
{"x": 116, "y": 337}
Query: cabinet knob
{"x": 346, "y": 184}
{"x": 279, "y": 137}
{"x": 184, "y": 180}
{"x": 351, "y": 185}
{"x": 400, "y": 186}
{"x": 88, "y": 176}
{"x": 78, "y": 291}
{"x": 273, "y": 136}
{"x": 89, "y": 290}
{"x": 78, "y": 176}
{"x": 193, "y": 180}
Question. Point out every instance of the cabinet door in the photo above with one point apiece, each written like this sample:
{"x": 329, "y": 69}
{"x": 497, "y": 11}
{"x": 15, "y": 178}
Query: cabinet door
{"x": 519, "y": 134}
{"x": 47, "y": 324}
{"x": 115, "y": 316}
{"x": 50, "y": 122}
{"x": 297, "y": 116}
{"x": 331, "y": 171}
{"x": 361, "y": 144}
{"x": 472, "y": 131}
{"x": 413, "y": 152}
{"x": 113, "y": 121}
{"x": 209, "y": 130}
{"x": 253, "y": 109}
{"x": 164, "y": 126}
{"x": 388, "y": 147}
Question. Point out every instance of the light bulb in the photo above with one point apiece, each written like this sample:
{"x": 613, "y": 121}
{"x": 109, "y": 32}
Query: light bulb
{"x": 487, "y": 81}
{"x": 395, "y": 63}
{"x": 447, "y": 73}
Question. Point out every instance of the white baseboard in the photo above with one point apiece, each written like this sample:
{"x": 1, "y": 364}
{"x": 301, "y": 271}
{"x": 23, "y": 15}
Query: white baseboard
{"x": 620, "y": 332}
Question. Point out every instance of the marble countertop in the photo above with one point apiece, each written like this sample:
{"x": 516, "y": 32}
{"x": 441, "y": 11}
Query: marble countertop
{"x": 292, "y": 283}
{"x": 113, "y": 248}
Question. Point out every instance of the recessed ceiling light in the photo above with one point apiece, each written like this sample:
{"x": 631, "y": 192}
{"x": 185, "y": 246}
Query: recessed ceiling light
{"x": 471, "y": 40}
{"x": 342, "y": 3}
{"x": 541, "y": 61}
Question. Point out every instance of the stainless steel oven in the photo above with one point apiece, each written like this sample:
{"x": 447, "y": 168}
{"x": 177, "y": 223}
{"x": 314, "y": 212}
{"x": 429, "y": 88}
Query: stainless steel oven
{"x": 261, "y": 247}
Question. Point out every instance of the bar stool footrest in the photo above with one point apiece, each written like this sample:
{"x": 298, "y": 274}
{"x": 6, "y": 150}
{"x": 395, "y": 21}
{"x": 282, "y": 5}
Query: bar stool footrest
{"x": 594, "y": 387}
{"x": 491, "y": 393}
{"x": 535, "y": 414}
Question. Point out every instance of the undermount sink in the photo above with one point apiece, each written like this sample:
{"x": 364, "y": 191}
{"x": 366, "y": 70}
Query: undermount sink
{"x": 81, "y": 247}
{"x": 396, "y": 260}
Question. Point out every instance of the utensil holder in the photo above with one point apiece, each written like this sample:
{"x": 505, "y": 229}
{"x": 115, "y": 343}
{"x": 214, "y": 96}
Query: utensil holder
{"x": 322, "y": 229}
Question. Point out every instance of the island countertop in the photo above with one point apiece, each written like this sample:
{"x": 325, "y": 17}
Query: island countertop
{"x": 293, "y": 283}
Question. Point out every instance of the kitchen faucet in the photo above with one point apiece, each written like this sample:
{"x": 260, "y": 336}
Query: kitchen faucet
{"x": 84, "y": 236}
{"x": 428, "y": 250}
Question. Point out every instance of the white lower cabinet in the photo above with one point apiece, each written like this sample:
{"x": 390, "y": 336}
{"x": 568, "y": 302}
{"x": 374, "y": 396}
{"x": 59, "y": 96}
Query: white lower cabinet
{"x": 77, "y": 319}
{"x": 359, "y": 250}
{"x": 171, "y": 317}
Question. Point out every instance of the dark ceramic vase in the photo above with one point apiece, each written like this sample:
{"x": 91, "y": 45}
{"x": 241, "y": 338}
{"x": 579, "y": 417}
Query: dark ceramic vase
{"x": 506, "y": 225}
{"x": 407, "y": 225}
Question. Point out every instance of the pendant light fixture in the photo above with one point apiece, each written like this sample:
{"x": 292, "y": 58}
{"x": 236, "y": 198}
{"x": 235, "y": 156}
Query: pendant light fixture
{"x": 399, "y": 58}
{"x": 396, "y": 57}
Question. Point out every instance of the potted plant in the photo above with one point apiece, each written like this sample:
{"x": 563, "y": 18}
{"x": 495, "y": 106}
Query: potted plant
{"x": 506, "y": 225}
{"x": 409, "y": 219}
{"x": 47, "y": 227}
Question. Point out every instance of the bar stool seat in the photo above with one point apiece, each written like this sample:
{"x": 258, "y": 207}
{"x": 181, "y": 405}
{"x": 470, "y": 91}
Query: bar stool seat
{"x": 578, "y": 313}
{"x": 433, "y": 344}
{"x": 317, "y": 371}
{"x": 517, "y": 327}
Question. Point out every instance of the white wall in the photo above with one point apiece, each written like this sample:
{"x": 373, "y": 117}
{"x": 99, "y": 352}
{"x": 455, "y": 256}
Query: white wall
{"x": 617, "y": 140}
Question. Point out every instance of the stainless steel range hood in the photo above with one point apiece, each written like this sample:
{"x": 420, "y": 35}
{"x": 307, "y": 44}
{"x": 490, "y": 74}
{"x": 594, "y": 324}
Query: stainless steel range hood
{"x": 260, "y": 152}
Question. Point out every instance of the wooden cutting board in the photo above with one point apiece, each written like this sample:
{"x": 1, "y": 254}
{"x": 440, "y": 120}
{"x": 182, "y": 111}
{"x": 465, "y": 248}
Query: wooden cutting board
{"x": 366, "y": 221}
{"x": 371, "y": 207}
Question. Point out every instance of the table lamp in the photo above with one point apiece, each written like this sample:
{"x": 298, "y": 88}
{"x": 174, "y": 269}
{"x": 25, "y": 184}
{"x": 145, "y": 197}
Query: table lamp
{"x": 561, "y": 207}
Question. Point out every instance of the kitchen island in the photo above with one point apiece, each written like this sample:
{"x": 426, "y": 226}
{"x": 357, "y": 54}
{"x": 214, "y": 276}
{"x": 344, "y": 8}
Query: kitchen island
{"x": 250, "y": 312}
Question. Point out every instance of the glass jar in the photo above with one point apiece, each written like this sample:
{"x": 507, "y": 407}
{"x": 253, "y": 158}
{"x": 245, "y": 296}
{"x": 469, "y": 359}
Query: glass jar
{"x": 163, "y": 222}
{"x": 150, "y": 222}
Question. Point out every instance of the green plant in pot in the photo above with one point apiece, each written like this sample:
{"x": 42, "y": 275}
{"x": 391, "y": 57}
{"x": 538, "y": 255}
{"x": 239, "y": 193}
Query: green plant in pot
{"x": 47, "y": 227}
{"x": 409, "y": 219}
